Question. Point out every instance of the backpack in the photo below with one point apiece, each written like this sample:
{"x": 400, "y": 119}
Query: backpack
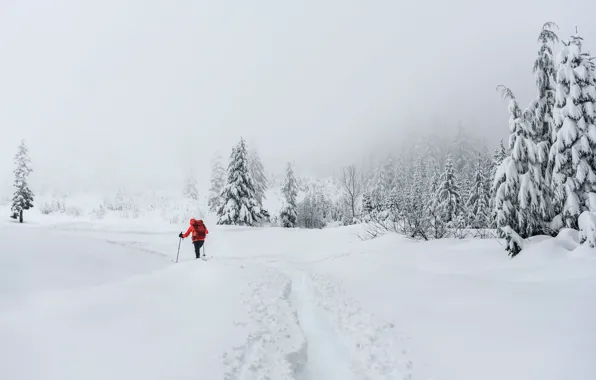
{"x": 199, "y": 231}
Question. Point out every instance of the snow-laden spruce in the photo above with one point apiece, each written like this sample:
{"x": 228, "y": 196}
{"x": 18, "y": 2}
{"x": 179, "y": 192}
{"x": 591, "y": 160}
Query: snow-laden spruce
{"x": 289, "y": 212}
{"x": 542, "y": 111}
{"x": 239, "y": 204}
{"x": 519, "y": 201}
{"x": 23, "y": 196}
{"x": 574, "y": 136}
{"x": 218, "y": 181}
{"x": 544, "y": 72}
{"x": 448, "y": 197}
{"x": 381, "y": 183}
{"x": 414, "y": 213}
{"x": 257, "y": 172}
{"x": 477, "y": 206}
{"x": 432, "y": 209}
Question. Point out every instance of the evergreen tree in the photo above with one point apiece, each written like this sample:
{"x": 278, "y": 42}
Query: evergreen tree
{"x": 23, "y": 197}
{"x": 542, "y": 110}
{"x": 499, "y": 155}
{"x": 574, "y": 136}
{"x": 367, "y": 204}
{"x": 432, "y": 207}
{"x": 239, "y": 206}
{"x": 257, "y": 172}
{"x": 378, "y": 191}
{"x": 414, "y": 211}
{"x": 477, "y": 205}
{"x": 218, "y": 178}
{"x": 519, "y": 203}
{"x": 289, "y": 213}
{"x": 544, "y": 71}
{"x": 448, "y": 198}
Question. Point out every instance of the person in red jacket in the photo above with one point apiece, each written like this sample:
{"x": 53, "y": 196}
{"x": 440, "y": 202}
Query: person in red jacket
{"x": 199, "y": 233}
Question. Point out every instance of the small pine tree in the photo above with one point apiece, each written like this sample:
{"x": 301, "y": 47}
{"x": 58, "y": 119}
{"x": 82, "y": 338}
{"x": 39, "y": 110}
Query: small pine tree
{"x": 257, "y": 172}
{"x": 218, "y": 178}
{"x": 574, "y": 136}
{"x": 499, "y": 155}
{"x": 23, "y": 196}
{"x": 448, "y": 198}
{"x": 367, "y": 204}
{"x": 289, "y": 213}
{"x": 239, "y": 206}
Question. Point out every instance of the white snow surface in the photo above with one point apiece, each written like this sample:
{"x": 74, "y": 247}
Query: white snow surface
{"x": 105, "y": 300}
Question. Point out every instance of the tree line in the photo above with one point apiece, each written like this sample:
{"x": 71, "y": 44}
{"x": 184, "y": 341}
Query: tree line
{"x": 538, "y": 182}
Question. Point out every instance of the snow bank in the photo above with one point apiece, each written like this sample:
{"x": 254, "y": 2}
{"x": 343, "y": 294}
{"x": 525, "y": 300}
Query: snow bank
{"x": 587, "y": 228}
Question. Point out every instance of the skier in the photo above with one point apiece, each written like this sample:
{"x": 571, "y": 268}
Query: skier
{"x": 199, "y": 233}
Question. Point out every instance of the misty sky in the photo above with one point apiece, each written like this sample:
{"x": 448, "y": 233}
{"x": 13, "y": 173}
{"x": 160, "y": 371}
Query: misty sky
{"x": 141, "y": 92}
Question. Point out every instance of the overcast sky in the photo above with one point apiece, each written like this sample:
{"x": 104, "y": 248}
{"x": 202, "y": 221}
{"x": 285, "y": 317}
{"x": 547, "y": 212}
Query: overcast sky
{"x": 139, "y": 90}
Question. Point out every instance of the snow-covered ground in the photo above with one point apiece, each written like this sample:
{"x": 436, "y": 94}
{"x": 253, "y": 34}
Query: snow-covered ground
{"x": 104, "y": 299}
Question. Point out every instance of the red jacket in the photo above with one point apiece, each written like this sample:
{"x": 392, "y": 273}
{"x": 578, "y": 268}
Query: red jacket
{"x": 198, "y": 229}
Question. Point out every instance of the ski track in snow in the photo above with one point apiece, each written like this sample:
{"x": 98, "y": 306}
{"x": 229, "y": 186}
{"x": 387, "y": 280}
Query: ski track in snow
{"x": 275, "y": 347}
{"x": 377, "y": 344}
{"x": 303, "y": 327}
{"x": 328, "y": 357}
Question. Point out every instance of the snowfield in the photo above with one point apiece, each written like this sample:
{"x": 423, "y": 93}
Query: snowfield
{"x": 105, "y": 300}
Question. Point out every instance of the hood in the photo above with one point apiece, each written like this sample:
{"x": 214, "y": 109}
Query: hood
{"x": 195, "y": 222}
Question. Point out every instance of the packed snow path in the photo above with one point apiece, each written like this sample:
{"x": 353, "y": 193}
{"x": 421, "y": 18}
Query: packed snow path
{"x": 327, "y": 355}
{"x": 308, "y": 329}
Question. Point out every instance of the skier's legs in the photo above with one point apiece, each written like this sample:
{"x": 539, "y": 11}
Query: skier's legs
{"x": 198, "y": 245}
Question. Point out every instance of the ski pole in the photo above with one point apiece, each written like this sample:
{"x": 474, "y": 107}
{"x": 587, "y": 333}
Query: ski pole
{"x": 179, "y": 242}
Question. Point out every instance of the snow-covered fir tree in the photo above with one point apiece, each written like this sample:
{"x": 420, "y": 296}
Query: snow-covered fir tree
{"x": 574, "y": 136}
{"x": 190, "y": 188}
{"x": 519, "y": 203}
{"x": 542, "y": 111}
{"x": 239, "y": 204}
{"x": 477, "y": 206}
{"x": 218, "y": 181}
{"x": 311, "y": 211}
{"x": 498, "y": 157}
{"x": 544, "y": 72}
{"x": 23, "y": 196}
{"x": 448, "y": 197}
{"x": 367, "y": 205}
{"x": 289, "y": 212}
{"x": 257, "y": 172}
{"x": 414, "y": 212}
{"x": 438, "y": 228}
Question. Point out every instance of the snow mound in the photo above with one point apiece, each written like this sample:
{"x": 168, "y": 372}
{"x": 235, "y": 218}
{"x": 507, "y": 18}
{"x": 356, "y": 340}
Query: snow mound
{"x": 587, "y": 228}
